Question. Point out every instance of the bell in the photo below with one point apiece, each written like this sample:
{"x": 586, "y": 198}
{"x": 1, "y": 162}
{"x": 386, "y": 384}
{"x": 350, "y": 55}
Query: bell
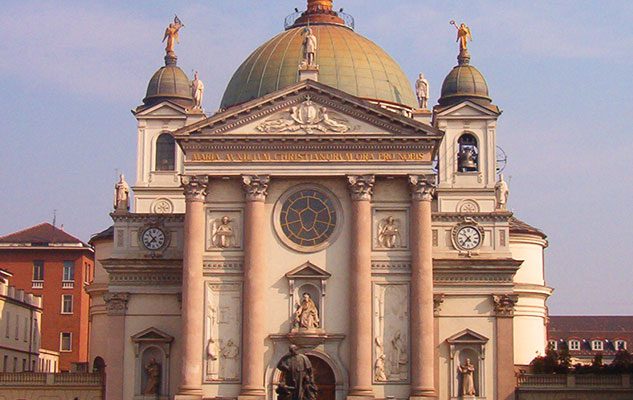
{"x": 467, "y": 160}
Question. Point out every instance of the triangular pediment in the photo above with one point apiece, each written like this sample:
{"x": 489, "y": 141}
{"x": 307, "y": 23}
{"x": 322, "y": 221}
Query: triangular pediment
{"x": 468, "y": 109}
{"x": 308, "y": 270}
{"x": 308, "y": 108}
{"x": 467, "y": 337}
{"x": 165, "y": 109}
{"x": 152, "y": 335}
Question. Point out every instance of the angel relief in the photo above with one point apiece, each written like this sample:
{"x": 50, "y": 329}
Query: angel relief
{"x": 308, "y": 117}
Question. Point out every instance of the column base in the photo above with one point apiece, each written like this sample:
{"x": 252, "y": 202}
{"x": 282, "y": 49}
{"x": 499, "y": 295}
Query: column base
{"x": 362, "y": 393}
{"x": 423, "y": 394}
{"x": 189, "y": 393}
{"x": 252, "y": 393}
{"x": 251, "y": 397}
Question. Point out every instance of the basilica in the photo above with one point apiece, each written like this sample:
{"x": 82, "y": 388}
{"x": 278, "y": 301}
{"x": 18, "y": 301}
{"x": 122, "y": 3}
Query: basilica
{"x": 325, "y": 224}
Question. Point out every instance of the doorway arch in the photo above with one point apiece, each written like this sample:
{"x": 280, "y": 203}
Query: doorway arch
{"x": 324, "y": 378}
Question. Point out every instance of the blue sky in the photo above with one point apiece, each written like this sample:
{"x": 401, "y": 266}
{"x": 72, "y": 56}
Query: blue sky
{"x": 71, "y": 71}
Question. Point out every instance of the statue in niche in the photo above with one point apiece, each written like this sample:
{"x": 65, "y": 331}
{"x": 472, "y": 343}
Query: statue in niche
{"x": 152, "y": 372}
{"x": 422, "y": 91}
{"x": 307, "y": 314}
{"x": 212, "y": 356}
{"x": 197, "y": 91}
{"x": 399, "y": 358}
{"x": 389, "y": 233}
{"x": 467, "y": 372}
{"x": 463, "y": 35}
{"x": 298, "y": 377}
{"x": 121, "y": 195}
{"x": 230, "y": 354}
{"x": 502, "y": 191}
{"x": 224, "y": 235}
{"x": 309, "y": 48}
{"x": 171, "y": 35}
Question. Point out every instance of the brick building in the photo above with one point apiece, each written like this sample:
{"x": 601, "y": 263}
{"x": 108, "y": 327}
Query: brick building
{"x": 587, "y": 336}
{"x": 50, "y": 263}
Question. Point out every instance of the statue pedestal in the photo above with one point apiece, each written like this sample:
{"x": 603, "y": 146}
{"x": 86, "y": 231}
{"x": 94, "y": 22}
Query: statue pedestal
{"x": 468, "y": 397}
{"x": 307, "y": 337}
{"x": 309, "y": 72}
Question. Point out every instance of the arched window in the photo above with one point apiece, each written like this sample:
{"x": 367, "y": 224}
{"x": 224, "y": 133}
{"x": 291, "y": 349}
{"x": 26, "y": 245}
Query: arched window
{"x": 468, "y": 154}
{"x": 165, "y": 153}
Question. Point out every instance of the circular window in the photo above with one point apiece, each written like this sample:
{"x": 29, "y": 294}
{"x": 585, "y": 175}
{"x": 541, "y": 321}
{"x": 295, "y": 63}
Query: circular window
{"x": 306, "y": 219}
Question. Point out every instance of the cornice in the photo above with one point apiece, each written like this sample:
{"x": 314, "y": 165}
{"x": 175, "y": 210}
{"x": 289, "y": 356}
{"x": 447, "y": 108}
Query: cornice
{"x": 479, "y": 217}
{"x": 305, "y": 143}
{"x": 147, "y": 217}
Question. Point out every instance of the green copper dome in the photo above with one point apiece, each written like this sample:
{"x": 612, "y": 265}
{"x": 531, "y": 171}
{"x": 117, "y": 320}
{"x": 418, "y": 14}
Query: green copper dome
{"x": 347, "y": 61}
{"x": 464, "y": 82}
{"x": 169, "y": 83}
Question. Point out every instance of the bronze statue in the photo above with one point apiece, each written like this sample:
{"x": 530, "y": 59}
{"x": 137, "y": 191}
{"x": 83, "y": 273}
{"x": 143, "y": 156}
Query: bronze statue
{"x": 463, "y": 35}
{"x": 171, "y": 35}
{"x": 298, "y": 378}
{"x": 152, "y": 371}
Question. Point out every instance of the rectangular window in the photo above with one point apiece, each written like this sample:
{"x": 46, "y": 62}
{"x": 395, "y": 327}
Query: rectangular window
{"x": 597, "y": 345}
{"x": 67, "y": 304}
{"x": 5, "y": 363}
{"x": 38, "y": 270}
{"x": 65, "y": 341}
{"x": 8, "y": 326}
{"x": 23, "y": 364}
{"x": 69, "y": 271}
{"x": 574, "y": 345}
{"x": 620, "y": 345}
{"x": 17, "y": 326}
{"x": 15, "y": 364}
{"x": 26, "y": 328}
{"x": 553, "y": 344}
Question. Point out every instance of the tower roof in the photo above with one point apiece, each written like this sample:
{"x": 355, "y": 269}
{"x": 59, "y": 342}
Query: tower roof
{"x": 169, "y": 83}
{"x": 464, "y": 82}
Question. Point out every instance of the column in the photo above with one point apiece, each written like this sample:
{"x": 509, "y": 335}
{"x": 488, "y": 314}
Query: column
{"x": 116, "y": 305}
{"x": 422, "y": 320}
{"x": 504, "y": 311}
{"x": 360, "y": 336}
{"x": 195, "y": 188}
{"x": 254, "y": 296}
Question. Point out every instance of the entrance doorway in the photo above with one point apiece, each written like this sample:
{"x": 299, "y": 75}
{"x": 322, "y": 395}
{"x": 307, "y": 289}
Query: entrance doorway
{"x": 324, "y": 378}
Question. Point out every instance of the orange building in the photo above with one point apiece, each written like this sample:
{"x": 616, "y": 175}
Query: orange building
{"x": 48, "y": 262}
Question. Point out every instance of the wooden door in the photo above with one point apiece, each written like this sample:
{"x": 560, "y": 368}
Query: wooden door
{"x": 324, "y": 379}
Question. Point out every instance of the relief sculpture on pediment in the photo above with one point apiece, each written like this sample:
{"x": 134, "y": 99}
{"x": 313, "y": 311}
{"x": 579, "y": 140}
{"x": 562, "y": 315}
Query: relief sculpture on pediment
{"x": 307, "y": 117}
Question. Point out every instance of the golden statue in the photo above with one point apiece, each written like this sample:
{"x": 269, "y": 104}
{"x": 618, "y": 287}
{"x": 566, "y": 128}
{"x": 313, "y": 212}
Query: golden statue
{"x": 171, "y": 34}
{"x": 463, "y": 35}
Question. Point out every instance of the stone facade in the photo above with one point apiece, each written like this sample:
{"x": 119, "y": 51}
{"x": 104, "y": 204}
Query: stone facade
{"x": 316, "y": 218}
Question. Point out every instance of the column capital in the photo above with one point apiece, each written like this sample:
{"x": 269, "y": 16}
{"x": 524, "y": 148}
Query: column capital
{"x": 361, "y": 187}
{"x": 256, "y": 187}
{"x": 116, "y": 303}
{"x": 195, "y": 187}
{"x": 422, "y": 187}
{"x": 504, "y": 304}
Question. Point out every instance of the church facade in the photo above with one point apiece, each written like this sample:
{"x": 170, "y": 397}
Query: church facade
{"x": 325, "y": 207}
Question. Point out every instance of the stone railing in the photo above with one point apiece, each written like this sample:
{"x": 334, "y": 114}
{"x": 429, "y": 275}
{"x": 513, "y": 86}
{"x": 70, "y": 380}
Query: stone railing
{"x": 49, "y": 379}
{"x": 571, "y": 380}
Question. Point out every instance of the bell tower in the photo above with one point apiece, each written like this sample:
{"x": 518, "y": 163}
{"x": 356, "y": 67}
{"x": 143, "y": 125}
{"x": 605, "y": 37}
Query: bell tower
{"x": 467, "y": 157}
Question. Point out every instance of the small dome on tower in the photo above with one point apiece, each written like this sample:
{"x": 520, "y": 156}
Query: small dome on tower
{"x": 169, "y": 83}
{"x": 464, "y": 82}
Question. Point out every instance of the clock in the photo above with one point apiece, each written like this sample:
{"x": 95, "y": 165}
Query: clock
{"x": 467, "y": 236}
{"x": 153, "y": 238}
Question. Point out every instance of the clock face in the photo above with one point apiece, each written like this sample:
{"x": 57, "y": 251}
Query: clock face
{"x": 468, "y": 238}
{"x": 153, "y": 238}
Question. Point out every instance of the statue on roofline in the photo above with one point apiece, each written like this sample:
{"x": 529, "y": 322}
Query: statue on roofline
{"x": 463, "y": 36}
{"x": 171, "y": 35}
